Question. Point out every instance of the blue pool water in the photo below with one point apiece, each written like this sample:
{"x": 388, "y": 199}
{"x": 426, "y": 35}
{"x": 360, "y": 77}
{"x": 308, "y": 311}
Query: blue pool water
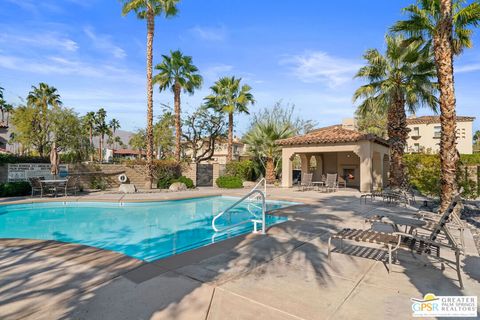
{"x": 146, "y": 230}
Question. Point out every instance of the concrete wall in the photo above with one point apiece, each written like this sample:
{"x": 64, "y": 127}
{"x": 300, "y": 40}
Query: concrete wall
{"x": 425, "y": 139}
{"x": 110, "y": 172}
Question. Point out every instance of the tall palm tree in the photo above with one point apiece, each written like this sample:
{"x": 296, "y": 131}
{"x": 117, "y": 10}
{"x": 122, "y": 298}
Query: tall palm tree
{"x": 90, "y": 121}
{"x": 114, "y": 125}
{"x": 101, "y": 129}
{"x": 43, "y": 97}
{"x": 228, "y": 96}
{"x": 148, "y": 9}
{"x": 177, "y": 72}
{"x": 445, "y": 24}
{"x": 401, "y": 78}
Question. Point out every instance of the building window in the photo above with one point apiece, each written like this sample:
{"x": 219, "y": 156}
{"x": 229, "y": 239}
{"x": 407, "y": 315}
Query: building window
{"x": 437, "y": 131}
{"x": 416, "y": 147}
{"x": 416, "y": 132}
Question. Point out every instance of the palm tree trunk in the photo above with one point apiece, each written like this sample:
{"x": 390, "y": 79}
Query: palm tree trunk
{"x": 444, "y": 63}
{"x": 270, "y": 171}
{"x": 397, "y": 133}
{"x": 230, "y": 137}
{"x": 91, "y": 144}
{"x": 178, "y": 127}
{"x": 150, "y": 33}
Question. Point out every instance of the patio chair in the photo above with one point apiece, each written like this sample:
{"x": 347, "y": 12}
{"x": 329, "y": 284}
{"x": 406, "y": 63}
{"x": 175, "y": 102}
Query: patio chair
{"x": 71, "y": 186}
{"x": 428, "y": 219}
{"x": 331, "y": 182}
{"x": 36, "y": 186}
{"x": 419, "y": 244}
{"x": 306, "y": 182}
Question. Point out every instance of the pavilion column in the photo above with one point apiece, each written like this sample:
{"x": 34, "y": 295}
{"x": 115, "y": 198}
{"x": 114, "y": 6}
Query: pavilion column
{"x": 287, "y": 168}
{"x": 365, "y": 155}
{"x": 305, "y": 162}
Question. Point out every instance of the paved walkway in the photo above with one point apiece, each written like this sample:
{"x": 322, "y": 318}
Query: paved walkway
{"x": 282, "y": 275}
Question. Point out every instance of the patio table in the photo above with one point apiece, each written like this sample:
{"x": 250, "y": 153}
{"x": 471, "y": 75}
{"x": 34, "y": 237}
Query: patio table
{"x": 318, "y": 184}
{"x": 53, "y": 183}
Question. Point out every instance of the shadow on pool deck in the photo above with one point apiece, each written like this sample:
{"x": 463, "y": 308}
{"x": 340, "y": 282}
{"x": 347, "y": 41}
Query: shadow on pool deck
{"x": 284, "y": 275}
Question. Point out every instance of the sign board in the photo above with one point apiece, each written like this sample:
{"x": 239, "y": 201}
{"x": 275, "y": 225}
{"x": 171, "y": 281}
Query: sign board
{"x": 23, "y": 171}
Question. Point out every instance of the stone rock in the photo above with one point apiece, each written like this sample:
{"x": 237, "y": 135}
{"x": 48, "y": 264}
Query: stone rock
{"x": 127, "y": 188}
{"x": 177, "y": 186}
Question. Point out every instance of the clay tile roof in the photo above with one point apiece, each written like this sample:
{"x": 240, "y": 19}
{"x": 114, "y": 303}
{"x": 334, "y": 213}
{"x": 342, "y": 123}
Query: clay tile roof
{"x": 332, "y": 134}
{"x": 435, "y": 119}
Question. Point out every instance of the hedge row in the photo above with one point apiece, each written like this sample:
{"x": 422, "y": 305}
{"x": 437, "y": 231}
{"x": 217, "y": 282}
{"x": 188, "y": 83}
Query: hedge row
{"x": 10, "y": 158}
{"x": 423, "y": 172}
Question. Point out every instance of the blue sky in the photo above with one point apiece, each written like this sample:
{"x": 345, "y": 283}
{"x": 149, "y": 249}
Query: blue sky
{"x": 302, "y": 54}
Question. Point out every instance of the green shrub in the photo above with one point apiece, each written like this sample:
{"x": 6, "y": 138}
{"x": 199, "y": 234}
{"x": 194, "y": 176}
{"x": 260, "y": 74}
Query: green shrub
{"x": 11, "y": 158}
{"x": 470, "y": 159}
{"x": 187, "y": 181}
{"x": 166, "y": 171}
{"x": 15, "y": 189}
{"x": 244, "y": 169}
{"x": 423, "y": 172}
{"x": 98, "y": 183}
{"x": 229, "y": 182}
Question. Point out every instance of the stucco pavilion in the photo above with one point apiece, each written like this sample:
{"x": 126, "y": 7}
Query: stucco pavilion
{"x": 362, "y": 160}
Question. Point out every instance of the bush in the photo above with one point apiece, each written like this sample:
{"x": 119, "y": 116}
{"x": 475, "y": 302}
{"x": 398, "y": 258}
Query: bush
{"x": 15, "y": 189}
{"x": 11, "y": 158}
{"x": 187, "y": 181}
{"x": 242, "y": 169}
{"x": 423, "y": 172}
{"x": 98, "y": 183}
{"x": 229, "y": 182}
{"x": 470, "y": 159}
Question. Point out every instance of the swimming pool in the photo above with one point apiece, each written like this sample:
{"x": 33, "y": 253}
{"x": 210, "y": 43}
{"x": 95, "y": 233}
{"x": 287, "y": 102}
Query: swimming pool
{"x": 147, "y": 230}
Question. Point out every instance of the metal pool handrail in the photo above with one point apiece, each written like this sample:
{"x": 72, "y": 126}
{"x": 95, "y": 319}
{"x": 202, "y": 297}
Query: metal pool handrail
{"x": 246, "y": 197}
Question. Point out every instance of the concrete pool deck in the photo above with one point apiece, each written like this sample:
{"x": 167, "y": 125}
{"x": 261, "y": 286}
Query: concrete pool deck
{"x": 282, "y": 275}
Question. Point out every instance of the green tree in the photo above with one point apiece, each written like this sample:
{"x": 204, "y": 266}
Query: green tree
{"x": 89, "y": 122}
{"x": 177, "y": 73}
{"x": 229, "y": 97}
{"x": 268, "y": 126}
{"x": 114, "y": 125}
{"x": 163, "y": 132}
{"x": 137, "y": 140}
{"x": 401, "y": 78}
{"x": 148, "y": 10}
{"x": 102, "y": 129}
{"x": 446, "y": 24}
{"x": 8, "y": 108}
{"x": 41, "y": 99}
{"x": 374, "y": 122}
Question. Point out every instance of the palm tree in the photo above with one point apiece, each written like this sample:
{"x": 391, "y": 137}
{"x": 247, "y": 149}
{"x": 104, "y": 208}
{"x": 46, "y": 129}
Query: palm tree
{"x": 445, "y": 24}
{"x": 42, "y": 97}
{"x": 401, "y": 78}
{"x": 90, "y": 121}
{"x": 8, "y": 108}
{"x": 261, "y": 140}
{"x": 178, "y": 73}
{"x": 229, "y": 97}
{"x": 101, "y": 129}
{"x": 148, "y": 9}
{"x": 114, "y": 125}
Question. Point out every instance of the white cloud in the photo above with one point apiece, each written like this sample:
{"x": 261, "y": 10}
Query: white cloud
{"x": 468, "y": 68}
{"x": 214, "y": 72}
{"x": 47, "y": 40}
{"x": 319, "y": 66}
{"x": 210, "y": 33}
{"x": 104, "y": 43}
